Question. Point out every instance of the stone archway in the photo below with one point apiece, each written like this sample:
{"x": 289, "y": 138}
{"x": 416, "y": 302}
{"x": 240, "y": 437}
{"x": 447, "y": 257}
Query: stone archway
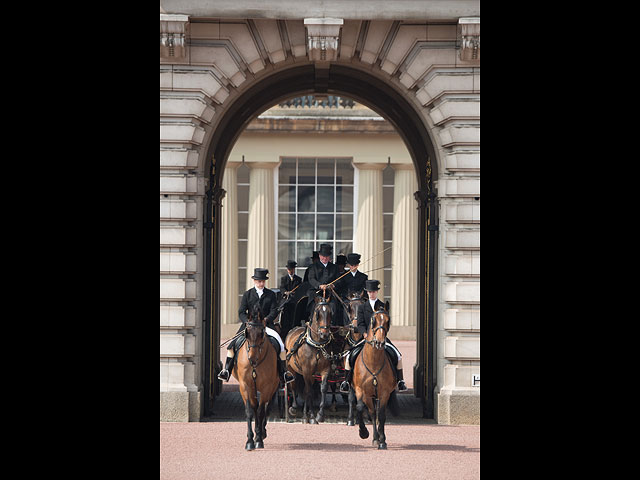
{"x": 216, "y": 75}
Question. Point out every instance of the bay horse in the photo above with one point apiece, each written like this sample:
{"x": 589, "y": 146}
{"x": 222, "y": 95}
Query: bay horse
{"x": 374, "y": 379}
{"x": 354, "y": 299}
{"x": 311, "y": 358}
{"x": 256, "y": 371}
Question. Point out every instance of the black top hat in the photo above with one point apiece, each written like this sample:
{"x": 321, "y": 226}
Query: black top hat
{"x": 292, "y": 264}
{"x": 341, "y": 259}
{"x": 372, "y": 285}
{"x": 260, "y": 274}
{"x": 326, "y": 250}
{"x": 353, "y": 259}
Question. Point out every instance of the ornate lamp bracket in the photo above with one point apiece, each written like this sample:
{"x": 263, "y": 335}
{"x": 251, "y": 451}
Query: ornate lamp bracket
{"x": 323, "y": 38}
{"x": 173, "y": 32}
{"x": 469, "y": 38}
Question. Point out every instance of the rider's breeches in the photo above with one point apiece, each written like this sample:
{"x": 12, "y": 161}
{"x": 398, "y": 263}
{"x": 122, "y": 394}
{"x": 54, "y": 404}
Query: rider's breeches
{"x": 347, "y": 363}
{"x": 272, "y": 333}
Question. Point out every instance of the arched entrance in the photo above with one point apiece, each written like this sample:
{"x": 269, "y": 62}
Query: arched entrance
{"x": 384, "y": 99}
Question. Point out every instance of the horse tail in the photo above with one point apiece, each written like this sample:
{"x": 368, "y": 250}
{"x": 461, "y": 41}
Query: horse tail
{"x": 394, "y": 406}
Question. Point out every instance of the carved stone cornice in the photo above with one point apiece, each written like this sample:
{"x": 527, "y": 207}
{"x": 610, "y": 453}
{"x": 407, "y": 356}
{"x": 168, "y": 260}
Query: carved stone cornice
{"x": 173, "y": 32}
{"x": 469, "y": 38}
{"x": 323, "y": 38}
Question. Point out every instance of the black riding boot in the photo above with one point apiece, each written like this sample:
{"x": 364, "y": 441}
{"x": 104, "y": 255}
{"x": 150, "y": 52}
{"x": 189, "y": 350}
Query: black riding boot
{"x": 225, "y": 373}
{"x": 284, "y": 373}
{"x": 344, "y": 386}
{"x": 402, "y": 387}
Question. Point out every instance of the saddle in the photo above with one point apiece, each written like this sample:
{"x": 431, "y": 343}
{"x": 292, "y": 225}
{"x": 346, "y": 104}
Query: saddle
{"x": 393, "y": 358}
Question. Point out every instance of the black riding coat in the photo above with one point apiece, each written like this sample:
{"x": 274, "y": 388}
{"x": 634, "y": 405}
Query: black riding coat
{"x": 351, "y": 283}
{"x": 286, "y": 284}
{"x": 268, "y": 305}
{"x": 365, "y": 313}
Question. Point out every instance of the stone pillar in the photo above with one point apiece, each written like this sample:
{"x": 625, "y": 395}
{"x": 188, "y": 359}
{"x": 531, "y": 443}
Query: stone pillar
{"x": 404, "y": 275}
{"x": 261, "y": 245}
{"x": 368, "y": 237}
{"x": 229, "y": 246}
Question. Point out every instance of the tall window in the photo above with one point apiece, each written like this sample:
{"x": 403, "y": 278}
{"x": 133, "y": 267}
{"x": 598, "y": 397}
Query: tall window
{"x": 315, "y": 206}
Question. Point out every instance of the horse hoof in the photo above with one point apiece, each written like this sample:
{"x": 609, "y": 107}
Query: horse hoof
{"x": 313, "y": 421}
{"x": 351, "y": 423}
{"x": 259, "y": 445}
{"x": 319, "y": 419}
{"x": 374, "y": 442}
{"x": 382, "y": 446}
{"x": 305, "y": 420}
{"x": 364, "y": 434}
{"x": 249, "y": 446}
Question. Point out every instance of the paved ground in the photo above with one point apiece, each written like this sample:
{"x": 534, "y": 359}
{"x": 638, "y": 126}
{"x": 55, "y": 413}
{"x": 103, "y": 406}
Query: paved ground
{"x": 417, "y": 448}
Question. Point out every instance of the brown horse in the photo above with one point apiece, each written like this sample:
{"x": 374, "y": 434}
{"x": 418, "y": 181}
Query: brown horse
{"x": 256, "y": 371}
{"x": 373, "y": 379}
{"x": 354, "y": 299}
{"x": 311, "y": 358}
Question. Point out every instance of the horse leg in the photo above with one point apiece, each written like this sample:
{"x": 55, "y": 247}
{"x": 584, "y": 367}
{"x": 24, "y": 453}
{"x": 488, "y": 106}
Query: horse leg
{"x": 260, "y": 417}
{"x": 334, "y": 404}
{"x": 352, "y": 404}
{"x": 375, "y": 441}
{"x": 364, "y": 433}
{"x": 382, "y": 417}
{"x": 324, "y": 386}
{"x": 307, "y": 412}
{"x": 250, "y": 412}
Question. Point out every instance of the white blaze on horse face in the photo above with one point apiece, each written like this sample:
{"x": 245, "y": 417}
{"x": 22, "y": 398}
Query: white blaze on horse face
{"x": 324, "y": 309}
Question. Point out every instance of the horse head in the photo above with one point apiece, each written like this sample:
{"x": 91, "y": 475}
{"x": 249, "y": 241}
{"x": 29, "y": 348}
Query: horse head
{"x": 322, "y": 320}
{"x": 379, "y": 329}
{"x": 353, "y": 300}
{"x": 256, "y": 336}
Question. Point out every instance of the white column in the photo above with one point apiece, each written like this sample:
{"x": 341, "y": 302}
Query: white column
{"x": 404, "y": 274}
{"x": 261, "y": 245}
{"x": 229, "y": 246}
{"x": 368, "y": 237}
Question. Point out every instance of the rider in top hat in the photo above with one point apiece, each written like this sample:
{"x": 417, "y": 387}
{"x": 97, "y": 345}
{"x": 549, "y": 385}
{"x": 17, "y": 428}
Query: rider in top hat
{"x": 354, "y": 281}
{"x": 266, "y": 301}
{"x": 290, "y": 281}
{"x": 365, "y": 312}
{"x": 322, "y": 276}
{"x": 315, "y": 258}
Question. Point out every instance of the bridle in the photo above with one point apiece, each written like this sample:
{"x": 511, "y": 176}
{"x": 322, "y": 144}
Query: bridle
{"x": 255, "y": 345}
{"x": 375, "y": 343}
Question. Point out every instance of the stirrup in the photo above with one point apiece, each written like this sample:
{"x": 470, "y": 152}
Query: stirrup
{"x": 284, "y": 375}
{"x": 345, "y": 387}
{"x": 224, "y": 375}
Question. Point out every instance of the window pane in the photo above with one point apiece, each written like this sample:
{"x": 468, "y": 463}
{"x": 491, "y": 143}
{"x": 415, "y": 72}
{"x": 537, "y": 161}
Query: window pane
{"x": 344, "y": 227}
{"x": 242, "y": 253}
{"x": 387, "y": 199}
{"x": 286, "y": 199}
{"x": 325, "y": 227}
{"x": 344, "y": 172}
{"x": 286, "y": 227}
{"x": 306, "y": 227}
{"x": 325, "y": 199}
{"x": 243, "y": 198}
{"x": 387, "y": 284}
{"x": 286, "y": 252}
{"x": 288, "y": 171}
{"x": 344, "y": 248}
{"x": 305, "y": 251}
{"x": 307, "y": 170}
{"x": 243, "y": 173}
{"x": 344, "y": 199}
{"x": 388, "y": 227}
{"x": 243, "y": 225}
{"x": 326, "y": 170}
{"x": 306, "y": 199}
{"x": 242, "y": 281}
{"x": 388, "y": 176}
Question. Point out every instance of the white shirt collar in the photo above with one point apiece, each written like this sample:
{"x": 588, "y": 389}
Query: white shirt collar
{"x": 324, "y": 264}
{"x": 259, "y": 291}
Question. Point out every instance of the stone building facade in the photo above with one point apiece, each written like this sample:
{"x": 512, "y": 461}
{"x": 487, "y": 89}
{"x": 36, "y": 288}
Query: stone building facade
{"x": 415, "y": 63}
